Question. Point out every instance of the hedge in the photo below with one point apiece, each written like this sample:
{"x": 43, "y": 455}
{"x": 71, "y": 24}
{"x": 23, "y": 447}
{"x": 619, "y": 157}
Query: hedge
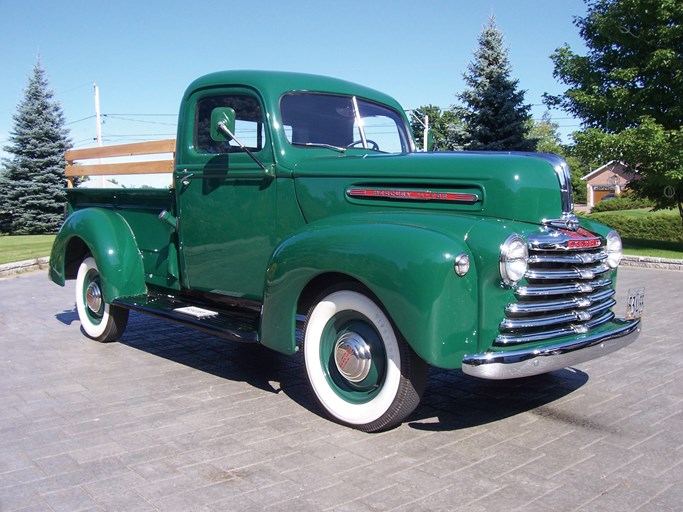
{"x": 621, "y": 203}
{"x": 660, "y": 226}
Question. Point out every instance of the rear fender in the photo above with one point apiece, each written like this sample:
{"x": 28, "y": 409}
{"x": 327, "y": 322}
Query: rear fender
{"x": 108, "y": 238}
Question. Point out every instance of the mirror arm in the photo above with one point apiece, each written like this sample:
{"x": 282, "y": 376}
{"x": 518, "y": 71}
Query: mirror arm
{"x": 224, "y": 128}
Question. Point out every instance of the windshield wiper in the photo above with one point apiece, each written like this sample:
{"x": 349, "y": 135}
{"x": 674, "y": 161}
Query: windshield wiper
{"x": 320, "y": 145}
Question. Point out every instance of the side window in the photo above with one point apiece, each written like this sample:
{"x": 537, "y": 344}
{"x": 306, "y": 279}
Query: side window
{"x": 248, "y": 123}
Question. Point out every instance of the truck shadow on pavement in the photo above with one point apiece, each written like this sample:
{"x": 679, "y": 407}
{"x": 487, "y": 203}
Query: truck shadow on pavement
{"x": 452, "y": 401}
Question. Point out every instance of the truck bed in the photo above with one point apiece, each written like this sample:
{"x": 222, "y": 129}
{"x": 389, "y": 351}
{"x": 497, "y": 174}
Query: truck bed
{"x": 140, "y": 208}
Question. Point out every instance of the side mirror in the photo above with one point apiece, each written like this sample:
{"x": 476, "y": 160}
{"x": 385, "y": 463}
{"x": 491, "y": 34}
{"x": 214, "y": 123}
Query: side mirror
{"x": 222, "y": 124}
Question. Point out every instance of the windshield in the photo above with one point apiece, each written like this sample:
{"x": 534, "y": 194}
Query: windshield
{"x": 342, "y": 122}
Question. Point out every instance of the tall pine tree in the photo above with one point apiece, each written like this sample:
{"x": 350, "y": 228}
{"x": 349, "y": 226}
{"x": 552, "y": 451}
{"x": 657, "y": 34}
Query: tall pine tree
{"x": 32, "y": 180}
{"x": 493, "y": 108}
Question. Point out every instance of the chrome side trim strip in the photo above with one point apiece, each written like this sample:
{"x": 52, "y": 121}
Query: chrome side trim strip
{"x": 527, "y": 362}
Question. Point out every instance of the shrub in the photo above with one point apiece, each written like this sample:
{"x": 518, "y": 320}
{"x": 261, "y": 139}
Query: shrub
{"x": 662, "y": 226}
{"x": 621, "y": 203}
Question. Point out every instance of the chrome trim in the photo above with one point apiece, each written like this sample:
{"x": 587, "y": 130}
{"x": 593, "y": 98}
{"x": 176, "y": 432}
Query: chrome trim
{"x": 504, "y": 255}
{"x": 564, "y": 178}
{"x": 581, "y": 315}
{"x": 580, "y": 258}
{"x": 517, "y": 308}
{"x": 352, "y": 357}
{"x": 535, "y": 361}
{"x": 93, "y": 297}
{"x": 516, "y": 339}
{"x": 567, "y": 291}
{"x": 461, "y": 264}
{"x": 550, "y": 239}
{"x": 568, "y": 221}
{"x": 544, "y": 321}
{"x": 569, "y": 273}
{"x": 561, "y": 289}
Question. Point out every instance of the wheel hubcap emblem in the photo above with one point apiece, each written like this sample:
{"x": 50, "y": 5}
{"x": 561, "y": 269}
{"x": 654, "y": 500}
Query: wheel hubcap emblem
{"x": 352, "y": 357}
{"x": 93, "y": 297}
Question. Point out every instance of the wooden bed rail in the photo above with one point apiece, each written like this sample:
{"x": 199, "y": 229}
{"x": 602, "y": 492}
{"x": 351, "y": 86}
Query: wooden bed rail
{"x": 122, "y": 150}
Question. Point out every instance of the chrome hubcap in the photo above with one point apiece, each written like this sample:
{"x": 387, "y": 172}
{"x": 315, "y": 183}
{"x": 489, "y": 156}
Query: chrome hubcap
{"x": 352, "y": 357}
{"x": 93, "y": 297}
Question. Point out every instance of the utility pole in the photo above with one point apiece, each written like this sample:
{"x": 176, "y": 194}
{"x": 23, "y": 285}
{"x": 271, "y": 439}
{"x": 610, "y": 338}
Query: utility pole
{"x": 98, "y": 121}
{"x": 426, "y": 133}
{"x": 425, "y": 125}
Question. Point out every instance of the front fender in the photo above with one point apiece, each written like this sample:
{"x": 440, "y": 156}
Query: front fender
{"x": 409, "y": 269}
{"x": 108, "y": 237}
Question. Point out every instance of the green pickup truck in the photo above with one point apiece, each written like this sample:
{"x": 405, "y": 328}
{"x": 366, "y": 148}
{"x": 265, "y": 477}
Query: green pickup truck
{"x": 301, "y": 217}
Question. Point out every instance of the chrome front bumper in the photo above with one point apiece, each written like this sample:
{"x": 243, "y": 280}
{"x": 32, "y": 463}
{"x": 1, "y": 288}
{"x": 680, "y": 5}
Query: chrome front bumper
{"x": 525, "y": 363}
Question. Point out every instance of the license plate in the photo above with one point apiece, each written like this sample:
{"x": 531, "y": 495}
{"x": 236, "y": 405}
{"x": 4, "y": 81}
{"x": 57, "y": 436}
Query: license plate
{"x": 635, "y": 304}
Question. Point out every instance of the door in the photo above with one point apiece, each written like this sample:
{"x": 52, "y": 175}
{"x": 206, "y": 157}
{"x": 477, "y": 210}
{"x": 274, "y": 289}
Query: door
{"x": 226, "y": 202}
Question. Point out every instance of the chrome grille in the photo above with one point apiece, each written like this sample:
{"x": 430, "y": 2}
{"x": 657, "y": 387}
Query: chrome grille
{"x": 567, "y": 291}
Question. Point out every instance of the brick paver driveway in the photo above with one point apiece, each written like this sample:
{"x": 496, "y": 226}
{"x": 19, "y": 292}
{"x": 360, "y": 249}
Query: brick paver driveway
{"x": 173, "y": 419}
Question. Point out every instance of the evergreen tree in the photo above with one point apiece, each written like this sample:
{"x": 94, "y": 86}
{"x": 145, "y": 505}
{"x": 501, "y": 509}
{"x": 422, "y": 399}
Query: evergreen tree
{"x": 493, "y": 109}
{"x": 32, "y": 181}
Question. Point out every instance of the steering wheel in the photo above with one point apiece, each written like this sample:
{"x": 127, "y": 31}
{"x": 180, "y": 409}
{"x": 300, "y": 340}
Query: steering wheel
{"x": 373, "y": 145}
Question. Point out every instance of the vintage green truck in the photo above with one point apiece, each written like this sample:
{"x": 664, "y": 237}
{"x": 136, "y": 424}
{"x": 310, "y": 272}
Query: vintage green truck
{"x": 301, "y": 217}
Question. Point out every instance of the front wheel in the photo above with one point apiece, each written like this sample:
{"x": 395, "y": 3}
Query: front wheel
{"x": 362, "y": 372}
{"x": 99, "y": 320}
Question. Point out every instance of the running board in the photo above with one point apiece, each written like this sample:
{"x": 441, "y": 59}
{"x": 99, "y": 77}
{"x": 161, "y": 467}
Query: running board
{"x": 235, "y": 325}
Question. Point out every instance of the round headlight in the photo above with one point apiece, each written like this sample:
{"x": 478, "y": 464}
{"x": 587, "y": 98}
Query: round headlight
{"x": 614, "y": 249}
{"x": 514, "y": 259}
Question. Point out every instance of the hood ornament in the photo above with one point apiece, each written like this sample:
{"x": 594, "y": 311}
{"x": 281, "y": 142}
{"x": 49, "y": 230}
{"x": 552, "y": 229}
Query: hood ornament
{"x": 569, "y": 221}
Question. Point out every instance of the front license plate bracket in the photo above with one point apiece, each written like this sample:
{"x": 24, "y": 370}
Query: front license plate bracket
{"x": 635, "y": 304}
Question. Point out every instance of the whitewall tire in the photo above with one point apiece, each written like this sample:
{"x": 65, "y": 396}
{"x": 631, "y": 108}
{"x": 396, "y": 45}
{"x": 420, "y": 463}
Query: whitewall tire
{"x": 361, "y": 370}
{"x": 99, "y": 320}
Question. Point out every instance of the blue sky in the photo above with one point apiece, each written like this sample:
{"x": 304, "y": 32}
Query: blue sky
{"x": 143, "y": 53}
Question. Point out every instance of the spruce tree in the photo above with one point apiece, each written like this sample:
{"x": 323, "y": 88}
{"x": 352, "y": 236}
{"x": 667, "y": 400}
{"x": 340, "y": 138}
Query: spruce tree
{"x": 32, "y": 181}
{"x": 493, "y": 108}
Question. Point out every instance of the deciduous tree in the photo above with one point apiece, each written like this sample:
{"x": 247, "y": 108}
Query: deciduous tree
{"x": 628, "y": 90}
{"x": 444, "y": 126}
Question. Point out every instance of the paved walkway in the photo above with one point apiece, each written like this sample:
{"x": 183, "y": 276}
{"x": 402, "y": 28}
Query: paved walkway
{"x": 175, "y": 420}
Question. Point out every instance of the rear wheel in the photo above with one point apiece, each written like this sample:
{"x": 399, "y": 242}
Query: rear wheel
{"x": 99, "y": 320}
{"x": 363, "y": 373}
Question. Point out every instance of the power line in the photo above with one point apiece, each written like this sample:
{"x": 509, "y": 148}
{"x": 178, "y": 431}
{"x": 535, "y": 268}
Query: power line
{"x": 116, "y": 135}
{"x": 144, "y": 115}
{"x": 80, "y": 120}
{"x": 113, "y": 116}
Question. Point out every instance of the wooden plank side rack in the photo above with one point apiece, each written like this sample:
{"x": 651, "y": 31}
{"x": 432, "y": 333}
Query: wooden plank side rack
{"x": 74, "y": 169}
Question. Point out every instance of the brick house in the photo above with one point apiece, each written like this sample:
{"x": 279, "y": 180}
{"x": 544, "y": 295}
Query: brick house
{"x": 611, "y": 178}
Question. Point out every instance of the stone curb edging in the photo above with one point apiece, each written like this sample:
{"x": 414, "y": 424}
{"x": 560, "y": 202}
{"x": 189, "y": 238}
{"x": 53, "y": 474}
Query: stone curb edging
{"x": 647, "y": 262}
{"x": 7, "y": 269}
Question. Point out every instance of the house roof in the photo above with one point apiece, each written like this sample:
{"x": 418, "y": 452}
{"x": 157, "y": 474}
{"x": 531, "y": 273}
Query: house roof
{"x": 609, "y": 165}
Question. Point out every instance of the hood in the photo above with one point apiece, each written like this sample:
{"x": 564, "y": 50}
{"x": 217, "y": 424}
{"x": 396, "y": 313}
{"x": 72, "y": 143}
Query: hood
{"x": 527, "y": 187}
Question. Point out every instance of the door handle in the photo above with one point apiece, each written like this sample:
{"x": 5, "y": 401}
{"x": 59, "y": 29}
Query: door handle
{"x": 186, "y": 181}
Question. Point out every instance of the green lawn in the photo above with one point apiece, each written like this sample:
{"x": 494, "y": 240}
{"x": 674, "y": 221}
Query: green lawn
{"x": 24, "y": 247}
{"x": 653, "y": 249}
